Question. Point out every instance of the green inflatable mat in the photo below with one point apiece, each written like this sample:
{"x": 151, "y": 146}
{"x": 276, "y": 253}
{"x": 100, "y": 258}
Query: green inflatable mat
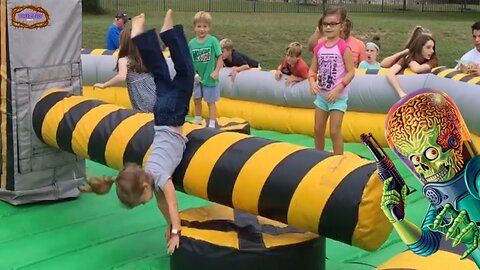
{"x": 95, "y": 232}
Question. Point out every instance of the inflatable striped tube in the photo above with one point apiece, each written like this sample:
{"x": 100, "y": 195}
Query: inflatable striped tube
{"x": 335, "y": 196}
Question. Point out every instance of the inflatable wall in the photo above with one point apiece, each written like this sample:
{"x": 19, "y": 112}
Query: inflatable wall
{"x": 32, "y": 171}
{"x": 268, "y": 104}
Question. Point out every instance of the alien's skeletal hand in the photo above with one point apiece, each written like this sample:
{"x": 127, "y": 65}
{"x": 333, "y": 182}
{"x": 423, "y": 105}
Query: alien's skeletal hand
{"x": 458, "y": 226}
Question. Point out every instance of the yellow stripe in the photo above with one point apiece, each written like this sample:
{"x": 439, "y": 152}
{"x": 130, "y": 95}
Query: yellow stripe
{"x": 49, "y": 92}
{"x": 445, "y": 72}
{"x": 201, "y": 165}
{"x": 459, "y": 76}
{"x": 115, "y": 52}
{"x": 474, "y": 80}
{"x": 55, "y": 115}
{"x": 251, "y": 179}
{"x": 435, "y": 68}
{"x": 383, "y": 71}
{"x": 222, "y": 239}
{"x": 97, "y": 51}
{"x": 316, "y": 188}
{"x": 207, "y": 213}
{"x": 121, "y": 135}
{"x": 286, "y": 239}
{"x": 85, "y": 126}
{"x": 372, "y": 228}
{"x": 113, "y": 95}
{"x": 3, "y": 90}
{"x": 361, "y": 71}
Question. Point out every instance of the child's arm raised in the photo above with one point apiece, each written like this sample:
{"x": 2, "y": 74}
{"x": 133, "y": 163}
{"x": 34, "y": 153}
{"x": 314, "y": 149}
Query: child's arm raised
{"x": 389, "y": 61}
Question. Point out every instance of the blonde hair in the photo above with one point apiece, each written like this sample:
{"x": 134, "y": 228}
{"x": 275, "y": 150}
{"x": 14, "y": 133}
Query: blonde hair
{"x": 226, "y": 44}
{"x": 294, "y": 49}
{"x": 129, "y": 184}
{"x": 202, "y": 16}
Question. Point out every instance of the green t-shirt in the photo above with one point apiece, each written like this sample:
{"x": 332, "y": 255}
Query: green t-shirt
{"x": 205, "y": 55}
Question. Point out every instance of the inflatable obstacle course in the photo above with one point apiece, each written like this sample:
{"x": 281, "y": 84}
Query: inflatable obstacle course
{"x": 233, "y": 169}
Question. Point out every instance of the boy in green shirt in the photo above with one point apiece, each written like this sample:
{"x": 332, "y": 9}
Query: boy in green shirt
{"x": 207, "y": 61}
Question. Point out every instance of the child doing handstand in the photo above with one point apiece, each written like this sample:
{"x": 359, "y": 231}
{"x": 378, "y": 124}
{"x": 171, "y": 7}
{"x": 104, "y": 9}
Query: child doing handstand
{"x": 136, "y": 185}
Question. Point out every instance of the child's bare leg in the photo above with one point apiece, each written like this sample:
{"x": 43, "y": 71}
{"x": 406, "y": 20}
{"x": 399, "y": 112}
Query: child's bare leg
{"x": 137, "y": 25}
{"x": 336, "y": 118}
{"x": 167, "y": 21}
{"x": 198, "y": 111}
{"x": 212, "y": 114}
{"x": 320, "y": 125}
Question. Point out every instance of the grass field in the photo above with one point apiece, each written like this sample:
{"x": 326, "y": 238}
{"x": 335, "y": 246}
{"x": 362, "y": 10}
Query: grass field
{"x": 264, "y": 36}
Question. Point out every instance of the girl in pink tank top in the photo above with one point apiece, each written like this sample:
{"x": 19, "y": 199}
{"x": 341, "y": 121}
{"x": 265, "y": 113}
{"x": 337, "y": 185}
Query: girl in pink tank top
{"x": 331, "y": 71}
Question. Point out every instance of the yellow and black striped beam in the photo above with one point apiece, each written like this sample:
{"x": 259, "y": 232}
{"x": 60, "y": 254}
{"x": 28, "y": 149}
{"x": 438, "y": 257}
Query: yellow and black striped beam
{"x": 102, "y": 132}
{"x": 382, "y": 71}
{"x": 335, "y": 196}
{"x": 109, "y": 52}
{"x": 451, "y": 73}
{"x": 6, "y": 125}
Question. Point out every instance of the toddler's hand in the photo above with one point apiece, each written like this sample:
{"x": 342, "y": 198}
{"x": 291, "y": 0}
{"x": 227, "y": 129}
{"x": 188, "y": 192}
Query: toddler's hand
{"x": 173, "y": 243}
{"x": 99, "y": 85}
{"x": 314, "y": 88}
{"x": 197, "y": 79}
{"x": 233, "y": 74}
{"x": 401, "y": 94}
{"x": 214, "y": 75}
{"x": 289, "y": 80}
{"x": 278, "y": 74}
{"x": 333, "y": 95}
{"x": 98, "y": 185}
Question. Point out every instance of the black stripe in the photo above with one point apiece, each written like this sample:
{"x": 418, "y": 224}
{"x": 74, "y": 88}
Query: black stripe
{"x": 138, "y": 145}
{"x": 102, "y": 131}
{"x": 69, "y": 122}
{"x": 451, "y": 74}
{"x": 282, "y": 182}
{"x": 41, "y": 109}
{"x": 241, "y": 224}
{"x": 86, "y": 51}
{"x": 10, "y": 185}
{"x": 108, "y": 52}
{"x": 439, "y": 69}
{"x": 339, "y": 222}
{"x": 466, "y": 78}
{"x": 372, "y": 71}
{"x": 249, "y": 233}
{"x": 228, "y": 166}
{"x": 195, "y": 140}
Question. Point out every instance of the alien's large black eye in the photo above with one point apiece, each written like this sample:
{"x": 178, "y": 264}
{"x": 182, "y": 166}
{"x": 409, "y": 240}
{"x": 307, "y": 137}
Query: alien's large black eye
{"x": 415, "y": 160}
{"x": 431, "y": 153}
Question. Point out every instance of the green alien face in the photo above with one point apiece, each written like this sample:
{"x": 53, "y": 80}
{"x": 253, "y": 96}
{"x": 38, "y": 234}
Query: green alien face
{"x": 430, "y": 163}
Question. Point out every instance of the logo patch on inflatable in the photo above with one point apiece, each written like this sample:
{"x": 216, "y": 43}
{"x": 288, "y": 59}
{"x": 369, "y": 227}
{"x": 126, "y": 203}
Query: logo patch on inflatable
{"x": 29, "y": 17}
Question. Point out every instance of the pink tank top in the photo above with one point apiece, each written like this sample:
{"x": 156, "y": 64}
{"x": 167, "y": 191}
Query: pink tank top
{"x": 331, "y": 67}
